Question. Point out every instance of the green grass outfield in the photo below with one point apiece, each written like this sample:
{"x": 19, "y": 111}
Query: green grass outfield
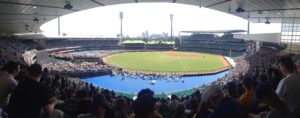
{"x": 166, "y": 61}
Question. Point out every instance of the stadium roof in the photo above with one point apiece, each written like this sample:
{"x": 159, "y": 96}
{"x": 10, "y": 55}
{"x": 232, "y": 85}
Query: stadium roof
{"x": 215, "y": 31}
{"x": 18, "y": 15}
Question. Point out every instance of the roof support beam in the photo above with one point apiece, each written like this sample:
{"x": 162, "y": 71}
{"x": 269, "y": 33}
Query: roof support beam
{"x": 284, "y": 9}
{"x": 174, "y": 1}
{"x": 34, "y": 5}
{"x": 99, "y": 3}
{"x": 136, "y": 1}
{"x": 3, "y": 13}
{"x": 215, "y": 4}
{"x": 273, "y": 17}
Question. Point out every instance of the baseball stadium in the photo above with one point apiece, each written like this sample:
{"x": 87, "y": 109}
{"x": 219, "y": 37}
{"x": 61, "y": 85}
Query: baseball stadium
{"x": 149, "y": 59}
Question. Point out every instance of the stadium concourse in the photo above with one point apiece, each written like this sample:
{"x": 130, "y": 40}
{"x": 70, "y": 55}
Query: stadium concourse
{"x": 254, "y": 88}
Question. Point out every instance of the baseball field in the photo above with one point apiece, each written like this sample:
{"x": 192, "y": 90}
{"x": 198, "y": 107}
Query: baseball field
{"x": 169, "y": 62}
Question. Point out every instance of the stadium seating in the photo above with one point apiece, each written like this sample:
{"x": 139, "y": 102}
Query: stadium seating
{"x": 212, "y": 44}
{"x": 253, "y": 77}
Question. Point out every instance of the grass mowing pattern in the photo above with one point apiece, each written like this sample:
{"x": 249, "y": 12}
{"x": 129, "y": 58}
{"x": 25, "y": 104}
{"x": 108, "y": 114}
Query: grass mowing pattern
{"x": 162, "y": 61}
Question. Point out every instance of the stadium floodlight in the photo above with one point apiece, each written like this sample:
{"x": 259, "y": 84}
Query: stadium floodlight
{"x": 121, "y": 28}
{"x": 171, "y": 18}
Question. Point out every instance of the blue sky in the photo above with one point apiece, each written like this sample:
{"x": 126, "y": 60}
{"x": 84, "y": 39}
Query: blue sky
{"x": 152, "y": 17}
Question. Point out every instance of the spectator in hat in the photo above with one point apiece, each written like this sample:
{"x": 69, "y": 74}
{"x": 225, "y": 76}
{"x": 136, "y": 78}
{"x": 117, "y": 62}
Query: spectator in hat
{"x": 99, "y": 107}
{"x": 266, "y": 95}
{"x": 223, "y": 106}
{"x": 247, "y": 97}
{"x": 144, "y": 106}
{"x": 288, "y": 88}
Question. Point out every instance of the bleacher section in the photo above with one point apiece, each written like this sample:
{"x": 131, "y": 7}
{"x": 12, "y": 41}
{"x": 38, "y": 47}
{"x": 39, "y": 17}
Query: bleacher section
{"x": 98, "y": 43}
{"x": 225, "y": 45}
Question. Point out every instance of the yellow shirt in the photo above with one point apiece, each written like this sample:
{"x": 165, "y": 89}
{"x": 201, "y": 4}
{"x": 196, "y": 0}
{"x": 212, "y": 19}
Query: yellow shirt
{"x": 246, "y": 99}
{"x": 155, "y": 114}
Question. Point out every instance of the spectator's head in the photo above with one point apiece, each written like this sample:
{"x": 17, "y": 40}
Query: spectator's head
{"x": 275, "y": 74}
{"x": 35, "y": 72}
{"x": 174, "y": 97}
{"x": 82, "y": 94}
{"x": 263, "y": 78}
{"x": 144, "y": 106}
{"x": 179, "y": 110}
{"x": 144, "y": 92}
{"x": 247, "y": 84}
{"x": 286, "y": 65}
{"x": 263, "y": 92}
{"x": 107, "y": 94}
{"x": 12, "y": 68}
{"x": 45, "y": 70}
{"x": 121, "y": 103}
{"x": 99, "y": 104}
{"x": 212, "y": 95}
{"x": 231, "y": 89}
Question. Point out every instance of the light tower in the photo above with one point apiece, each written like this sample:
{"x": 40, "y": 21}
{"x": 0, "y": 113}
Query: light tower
{"x": 121, "y": 19}
{"x": 171, "y": 19}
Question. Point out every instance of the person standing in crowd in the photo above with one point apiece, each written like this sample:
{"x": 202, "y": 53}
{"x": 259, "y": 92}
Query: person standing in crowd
{"x": 99, "y": 107}
{"x": 289, "y": 87}
{"x": 8, "y": 82}
{"x": 29, "y": 97}
{"x": 247, "y": 97}
{"x": 218, "y": 105}
{"x": 121, "y": 108}
{"x": 266, "y": 95}
{"x": 144, "y": 105}
{"x": 276, "y": 76}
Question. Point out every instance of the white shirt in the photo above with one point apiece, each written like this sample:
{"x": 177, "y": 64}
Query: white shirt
{"x": 288, "y": 90}
{"x": 7, "y": 85}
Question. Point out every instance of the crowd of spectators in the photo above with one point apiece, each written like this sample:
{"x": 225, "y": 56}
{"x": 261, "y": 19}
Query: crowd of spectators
{"x": 11, "y": 49}
{"x": 78, "y": 69}
{"x": 262, "y": 85}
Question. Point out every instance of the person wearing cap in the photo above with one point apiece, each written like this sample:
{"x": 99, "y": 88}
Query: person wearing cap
{"x": 144, "y": 105}
{"x": 247, "y": 97}
{"x": 266, "y": 95}
{"x": 288, "y": 88}
{"x": 99, "y": 107}
{"x": 222, "y": 106}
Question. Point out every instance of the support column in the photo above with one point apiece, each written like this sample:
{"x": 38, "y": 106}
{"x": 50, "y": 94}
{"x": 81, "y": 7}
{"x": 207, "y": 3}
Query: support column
{"x": 58, "y": 25}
